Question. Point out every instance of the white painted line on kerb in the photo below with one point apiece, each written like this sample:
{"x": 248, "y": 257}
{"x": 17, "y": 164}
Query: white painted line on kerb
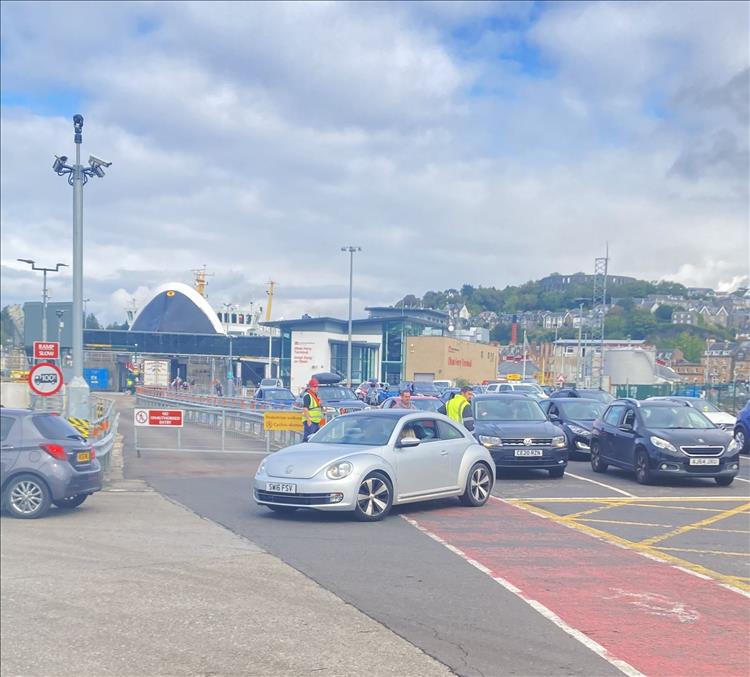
{"x": 550, "y": 615}
{"x": 741, "y": 479}
{"x": 601, "y": 484}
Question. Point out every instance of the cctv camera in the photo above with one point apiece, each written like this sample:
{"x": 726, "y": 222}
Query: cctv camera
{"x": 59, "y": 163}
{"x": 97, "y": 162}
{"x": 98, "y": 171}
{"x": 78, "y": 120}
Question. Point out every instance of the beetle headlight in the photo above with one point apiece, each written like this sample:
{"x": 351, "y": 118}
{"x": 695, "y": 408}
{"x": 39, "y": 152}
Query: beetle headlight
{"x": 261, "y": 467}
{"x": 559, "y": 441}
{"x": 662, "y": 444}
{"x": 338, "y": 471}
{"x": 489, "y": 441}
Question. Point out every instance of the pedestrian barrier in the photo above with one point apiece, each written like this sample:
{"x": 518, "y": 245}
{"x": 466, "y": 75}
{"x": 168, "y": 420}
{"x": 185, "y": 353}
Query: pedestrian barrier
{"x": 210, "y": 427}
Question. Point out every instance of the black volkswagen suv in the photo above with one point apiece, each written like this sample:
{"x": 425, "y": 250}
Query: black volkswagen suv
{"x": 575, "y": 416}
{"x": 662, "y": 438}
{"x": 517, "y": 433}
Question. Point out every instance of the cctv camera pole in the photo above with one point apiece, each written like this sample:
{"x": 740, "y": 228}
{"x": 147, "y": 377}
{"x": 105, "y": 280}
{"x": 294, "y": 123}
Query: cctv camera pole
{"x": 351, "y": 251}
{"x": 78, "y": 389}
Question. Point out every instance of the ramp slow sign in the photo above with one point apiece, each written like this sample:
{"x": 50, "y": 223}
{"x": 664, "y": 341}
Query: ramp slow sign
{"x": 45, "y": 379}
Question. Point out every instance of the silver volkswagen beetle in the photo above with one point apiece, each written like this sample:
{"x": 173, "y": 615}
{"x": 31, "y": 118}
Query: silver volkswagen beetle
{"x": 368, "y": 461}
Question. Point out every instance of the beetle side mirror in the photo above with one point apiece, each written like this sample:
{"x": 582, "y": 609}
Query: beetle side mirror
{"x": 408, "y": 442}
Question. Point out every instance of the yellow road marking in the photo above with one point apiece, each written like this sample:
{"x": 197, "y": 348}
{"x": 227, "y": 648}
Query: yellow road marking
{"x": 636, "y": 524}
{"x": 696, "y": 525}
{"x": 590, "y": 511}
{"x": 638, "y": 547}
{"x": 705, "y": 552}
{"x": 627, "y": 499}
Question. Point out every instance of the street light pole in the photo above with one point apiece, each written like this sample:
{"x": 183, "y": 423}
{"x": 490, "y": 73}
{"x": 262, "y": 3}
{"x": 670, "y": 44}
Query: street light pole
{"x": 45, "y": 295}
{"x": 228, "y": 307}
{"x": 351, "y": 251}
{"x": 78, "y": 389}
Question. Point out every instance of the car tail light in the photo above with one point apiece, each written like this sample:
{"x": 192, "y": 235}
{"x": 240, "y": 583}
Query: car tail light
{"x": 55, "y": 450}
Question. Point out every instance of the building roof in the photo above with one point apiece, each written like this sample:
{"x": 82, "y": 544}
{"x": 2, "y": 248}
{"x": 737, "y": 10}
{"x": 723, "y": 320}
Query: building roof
{"x": 177, "y": 308}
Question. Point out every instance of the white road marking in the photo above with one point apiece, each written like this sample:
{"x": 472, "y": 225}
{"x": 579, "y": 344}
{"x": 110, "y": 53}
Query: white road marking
{"x": 601, "y": 484}
{"x": 657, "y": 605}
{"x": 550, "y": 615}
{"x": 741, "y": 479}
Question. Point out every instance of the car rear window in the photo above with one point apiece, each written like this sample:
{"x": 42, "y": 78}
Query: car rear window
{"x": 54, "y": 427}
{"x": 6, "y": 423}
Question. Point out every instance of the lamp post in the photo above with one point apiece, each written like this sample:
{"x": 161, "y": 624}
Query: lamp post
{"x": 60, "y": 325}
{"x": 351, "y": 251}
{"x": 78, "y": 175}
{"x": 45, "y": 295}
{"x": 228, "y": 307}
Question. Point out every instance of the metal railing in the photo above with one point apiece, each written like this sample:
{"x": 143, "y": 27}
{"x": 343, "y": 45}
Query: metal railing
{"x": 210, "y": 424}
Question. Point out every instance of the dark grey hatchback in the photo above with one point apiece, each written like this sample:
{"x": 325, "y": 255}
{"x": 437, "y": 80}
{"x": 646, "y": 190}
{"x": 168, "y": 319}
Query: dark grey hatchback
{"x": 44, "y": 461}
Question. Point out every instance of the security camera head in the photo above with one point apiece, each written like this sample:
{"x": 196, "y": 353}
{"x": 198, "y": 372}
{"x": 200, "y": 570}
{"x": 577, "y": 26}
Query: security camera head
{"x": 78, "y": 120}
{"x": 98, "y": 162}
{"x": 98, "y": 171}
{"x": 59, "y": 162}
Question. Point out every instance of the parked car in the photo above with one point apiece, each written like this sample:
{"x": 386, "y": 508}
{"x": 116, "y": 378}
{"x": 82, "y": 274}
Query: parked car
{"x": 442, "y": 384}
{"x": 270, "y": 383}
{"x": 421, "y": 402}
{"x": 575, "y": 416}
{"x": 662, "y": 439}
{"x": 531, "y": 389}
{"x": 44, "y": 461}
{"x": 517, "y": 433}
{"x": 336, "y": 396}
{"x": 742, "y": 429}
{"x": 277, "y": 398}
{"x": 366, "y": 462}
{"x": 419, "y": 388}
{"x": 588, "y": 393}
{"x": 721, "y": 419}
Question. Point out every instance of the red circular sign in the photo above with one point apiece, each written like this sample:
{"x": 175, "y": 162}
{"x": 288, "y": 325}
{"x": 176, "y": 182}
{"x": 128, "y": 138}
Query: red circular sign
{"x": 45, "y": 379}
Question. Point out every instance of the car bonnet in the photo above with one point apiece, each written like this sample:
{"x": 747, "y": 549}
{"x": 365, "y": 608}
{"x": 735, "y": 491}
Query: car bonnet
{"x": 303, "y": 461}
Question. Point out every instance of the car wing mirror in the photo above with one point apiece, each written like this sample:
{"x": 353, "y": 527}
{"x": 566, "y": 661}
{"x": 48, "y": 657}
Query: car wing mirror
{"x": 626, "y": 427}
{"x": 554, "y": 417}
{"x": 408, "y": 442}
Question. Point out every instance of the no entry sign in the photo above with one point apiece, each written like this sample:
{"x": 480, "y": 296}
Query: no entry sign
{"x": 45, "y": 379}
{"x": 158, "y": 417}
{"x": 46, "y": 350}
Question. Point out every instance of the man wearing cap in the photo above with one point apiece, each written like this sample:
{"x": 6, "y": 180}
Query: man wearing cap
{"x": 459, "y": 408}
{"x": 404, "y": 401}
{"x": 312, "y": 410}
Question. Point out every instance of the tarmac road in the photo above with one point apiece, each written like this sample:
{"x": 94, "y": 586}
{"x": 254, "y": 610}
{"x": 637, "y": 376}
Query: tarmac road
{"x": 406, "y": 577}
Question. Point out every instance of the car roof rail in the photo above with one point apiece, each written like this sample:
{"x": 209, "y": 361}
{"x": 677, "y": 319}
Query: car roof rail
{"x": 629, "y": 400}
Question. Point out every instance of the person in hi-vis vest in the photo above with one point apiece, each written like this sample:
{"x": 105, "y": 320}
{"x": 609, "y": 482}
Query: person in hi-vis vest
{"x": 459, "y": 408}
{"x": 312, "y": 410}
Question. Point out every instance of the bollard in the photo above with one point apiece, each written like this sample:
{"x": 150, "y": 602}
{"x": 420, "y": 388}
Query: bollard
{"x": 268, "y": 443}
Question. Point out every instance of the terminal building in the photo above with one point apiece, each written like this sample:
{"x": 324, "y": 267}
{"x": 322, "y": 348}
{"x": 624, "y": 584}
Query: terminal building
{"x": 178, "y": 326}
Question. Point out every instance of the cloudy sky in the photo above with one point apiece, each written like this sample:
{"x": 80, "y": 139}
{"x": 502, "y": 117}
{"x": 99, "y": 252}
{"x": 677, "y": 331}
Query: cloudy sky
{"x": 483, "y": 143}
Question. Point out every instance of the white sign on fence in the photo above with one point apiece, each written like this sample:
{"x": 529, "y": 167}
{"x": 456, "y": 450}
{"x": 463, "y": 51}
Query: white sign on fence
{"x": 156, "y": 373}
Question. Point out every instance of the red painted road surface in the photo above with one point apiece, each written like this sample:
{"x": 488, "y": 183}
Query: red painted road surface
{"x": 660, "y": 620}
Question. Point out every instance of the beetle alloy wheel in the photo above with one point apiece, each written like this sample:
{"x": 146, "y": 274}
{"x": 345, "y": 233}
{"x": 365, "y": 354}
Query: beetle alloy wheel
{"x": 479, "y": 484}
{"x": 373, "y": 496}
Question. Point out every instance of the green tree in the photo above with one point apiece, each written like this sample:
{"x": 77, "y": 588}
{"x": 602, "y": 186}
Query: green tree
{"x": 92, "y": 322}
{"x": 664, "y": 313}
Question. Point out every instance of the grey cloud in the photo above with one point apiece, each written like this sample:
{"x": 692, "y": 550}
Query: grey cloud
{"x": 724, "y": 154}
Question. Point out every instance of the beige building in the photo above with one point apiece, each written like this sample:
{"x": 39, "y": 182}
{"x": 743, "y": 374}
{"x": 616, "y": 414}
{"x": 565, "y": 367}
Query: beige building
{"x": 441, "y": 357}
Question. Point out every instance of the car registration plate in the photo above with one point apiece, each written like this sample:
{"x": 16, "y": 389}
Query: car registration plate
{"x": 281, "y": 487}
{"x": 529, "y": 452}
{"x": 704, "y": 461}
{"x": 84, "y": 457}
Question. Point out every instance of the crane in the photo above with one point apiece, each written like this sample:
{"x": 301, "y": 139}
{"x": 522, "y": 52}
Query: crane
{"x": 271, "y": 286}
{"x": 200, "y": 280}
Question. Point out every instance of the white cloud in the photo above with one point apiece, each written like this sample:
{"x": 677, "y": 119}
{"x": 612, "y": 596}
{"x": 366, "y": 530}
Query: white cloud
{"x": 259, "y": 138}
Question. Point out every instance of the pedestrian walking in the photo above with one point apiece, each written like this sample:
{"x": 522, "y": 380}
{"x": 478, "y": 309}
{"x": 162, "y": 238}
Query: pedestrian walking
{"x": 312, "y": 410}
{"x": 459, "y": 408}
{"x": 218, "y": 389}
{"x": 373, "y": 396}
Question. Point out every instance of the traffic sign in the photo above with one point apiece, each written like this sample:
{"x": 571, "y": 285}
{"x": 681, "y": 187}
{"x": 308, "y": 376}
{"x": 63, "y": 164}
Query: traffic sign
{"x": 46, "y": 350}
{"x": 514, "y": 377}
{"x": 283, "y": 420}
{"x": 45, "y": 379}
{"x": 158, "y": 417}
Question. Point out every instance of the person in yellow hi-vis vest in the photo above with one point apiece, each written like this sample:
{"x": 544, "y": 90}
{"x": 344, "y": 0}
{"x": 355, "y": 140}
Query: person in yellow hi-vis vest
{"x": 459, "y": 408}
{"x": 312, "y": 410}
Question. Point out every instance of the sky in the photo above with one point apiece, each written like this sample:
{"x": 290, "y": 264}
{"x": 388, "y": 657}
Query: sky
{"x": 482, "y": 143}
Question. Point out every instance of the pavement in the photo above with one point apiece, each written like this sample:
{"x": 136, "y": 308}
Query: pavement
{"x": 132, "y": 583}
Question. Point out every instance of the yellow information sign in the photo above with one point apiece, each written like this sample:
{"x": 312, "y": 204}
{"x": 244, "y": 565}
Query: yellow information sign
{"x": 283, "y": 420}
{"x": 514, "y": 377}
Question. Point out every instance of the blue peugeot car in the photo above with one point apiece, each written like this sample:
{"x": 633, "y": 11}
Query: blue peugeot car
{"x": 742, "y": 429}
{"x": 663, "y": 439}
{"x": 517, "y": 433}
